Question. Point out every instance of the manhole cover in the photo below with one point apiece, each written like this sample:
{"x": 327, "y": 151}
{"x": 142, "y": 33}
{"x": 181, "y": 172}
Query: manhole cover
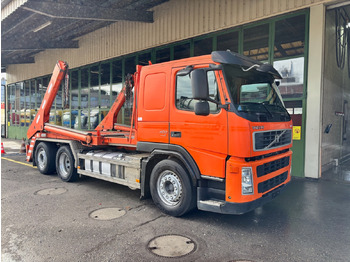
{"x": 240, "y": 261}
{"x": 171, "y": 246}
{"x": 51, "y": 191}
{"x": 107, "y": 213}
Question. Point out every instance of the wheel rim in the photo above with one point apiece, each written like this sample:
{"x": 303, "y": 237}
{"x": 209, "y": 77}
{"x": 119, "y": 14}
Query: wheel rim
{"x": 42, "y": 159}
{"x": 169, "y": 188}
{"x": 64, "y": 165}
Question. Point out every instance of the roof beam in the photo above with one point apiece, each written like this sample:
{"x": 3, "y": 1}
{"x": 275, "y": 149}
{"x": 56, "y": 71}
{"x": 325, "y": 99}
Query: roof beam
{"x": 17, "y": 60}
{"x": 38, "y": 45}
{"x": 81, "y": 12}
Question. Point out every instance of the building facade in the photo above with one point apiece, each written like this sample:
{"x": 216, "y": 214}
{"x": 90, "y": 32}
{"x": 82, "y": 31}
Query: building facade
{"x": 301, "y": 38}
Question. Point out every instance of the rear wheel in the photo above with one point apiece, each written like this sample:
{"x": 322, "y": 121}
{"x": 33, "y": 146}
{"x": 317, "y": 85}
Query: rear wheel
{"x": 171, "y": 188}
{"x": 45, "y": 157}
{"x": 65, "y": 164}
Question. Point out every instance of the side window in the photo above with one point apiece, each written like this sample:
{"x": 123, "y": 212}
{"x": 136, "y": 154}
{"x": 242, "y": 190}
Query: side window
{"x": 184, "y": 99}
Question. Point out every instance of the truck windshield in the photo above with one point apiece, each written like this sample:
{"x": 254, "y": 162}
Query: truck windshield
{"x": 255, "y": 95}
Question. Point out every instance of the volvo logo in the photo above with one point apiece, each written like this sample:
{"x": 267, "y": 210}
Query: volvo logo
{"x": 277, "y": 138}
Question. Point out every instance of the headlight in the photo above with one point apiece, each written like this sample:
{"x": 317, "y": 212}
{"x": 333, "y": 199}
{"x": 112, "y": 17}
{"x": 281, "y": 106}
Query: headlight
{"x": 247, "y": 181}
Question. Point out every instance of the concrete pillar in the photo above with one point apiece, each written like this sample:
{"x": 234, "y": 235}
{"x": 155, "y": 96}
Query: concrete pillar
{"x": 313, "y": 134}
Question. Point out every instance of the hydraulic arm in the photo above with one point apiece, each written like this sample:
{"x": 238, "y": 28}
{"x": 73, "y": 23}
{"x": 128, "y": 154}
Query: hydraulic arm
{"x": 43, "y": 114}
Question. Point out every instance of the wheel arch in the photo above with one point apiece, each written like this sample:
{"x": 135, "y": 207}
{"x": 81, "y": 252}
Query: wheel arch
{"x": 160, "y": 152}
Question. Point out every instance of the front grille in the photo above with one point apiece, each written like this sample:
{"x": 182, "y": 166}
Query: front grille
{"x": 271, "y": 183}
{"x": 255, "y": 158}
{"x": 272, "y": 139}
{"x": 273, "y": 166}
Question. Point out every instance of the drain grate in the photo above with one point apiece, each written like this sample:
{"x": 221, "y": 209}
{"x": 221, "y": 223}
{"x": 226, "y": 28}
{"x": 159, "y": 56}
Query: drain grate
{"x": 171, "y": 246}
{"x": 51, "y": 191}
{"x": 107, "y": 213}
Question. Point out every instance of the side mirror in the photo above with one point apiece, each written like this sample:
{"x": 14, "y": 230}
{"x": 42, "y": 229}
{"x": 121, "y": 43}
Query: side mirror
{"x": 202, "y": 108}
{"x": 199, "y": 82}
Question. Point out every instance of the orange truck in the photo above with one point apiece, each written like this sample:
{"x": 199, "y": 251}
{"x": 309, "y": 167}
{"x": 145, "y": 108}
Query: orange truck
{"x": 209, "y": 132}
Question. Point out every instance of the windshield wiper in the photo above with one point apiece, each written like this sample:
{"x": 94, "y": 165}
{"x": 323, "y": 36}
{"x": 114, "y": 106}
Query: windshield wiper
{"x": 267, "y": 110}
{"x": 283, "y": 109}
{"x": 261, "y": 103}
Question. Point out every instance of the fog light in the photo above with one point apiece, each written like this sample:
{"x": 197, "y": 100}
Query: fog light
{"x": 247, "y": 181}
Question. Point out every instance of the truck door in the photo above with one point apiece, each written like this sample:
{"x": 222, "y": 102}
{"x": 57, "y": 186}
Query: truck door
{"x": 153, "y": 107}
{"x": 204, "y": 137}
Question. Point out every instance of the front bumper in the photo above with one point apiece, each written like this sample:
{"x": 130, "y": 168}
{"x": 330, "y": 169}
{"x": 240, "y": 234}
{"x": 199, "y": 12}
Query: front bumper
{"x": 225, "y": 207}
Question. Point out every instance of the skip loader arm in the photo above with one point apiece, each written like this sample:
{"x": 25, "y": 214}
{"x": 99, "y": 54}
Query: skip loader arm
{"x": 108, "y": 122}
{"x": 43, "y": 114}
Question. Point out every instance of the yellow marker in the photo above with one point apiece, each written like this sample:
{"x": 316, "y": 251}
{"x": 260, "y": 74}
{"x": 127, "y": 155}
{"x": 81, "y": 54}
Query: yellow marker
{"x": 18, "y": 162}
{"x": 296, "y": 132}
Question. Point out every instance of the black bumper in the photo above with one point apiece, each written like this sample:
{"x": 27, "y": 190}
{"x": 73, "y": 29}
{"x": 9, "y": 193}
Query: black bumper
{"x": 225, "y": 207}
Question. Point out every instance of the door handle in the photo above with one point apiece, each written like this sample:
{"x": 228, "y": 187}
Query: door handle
{"x": 175, "y": 134}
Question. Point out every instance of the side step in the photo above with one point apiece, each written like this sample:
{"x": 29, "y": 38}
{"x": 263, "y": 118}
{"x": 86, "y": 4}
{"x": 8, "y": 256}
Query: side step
{"x": 210, "y": 205}
{"x": 115, "y": 167}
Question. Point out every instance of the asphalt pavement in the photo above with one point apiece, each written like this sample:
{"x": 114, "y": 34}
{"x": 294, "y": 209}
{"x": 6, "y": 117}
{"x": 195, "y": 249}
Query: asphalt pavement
{"x": 44, "y": 219}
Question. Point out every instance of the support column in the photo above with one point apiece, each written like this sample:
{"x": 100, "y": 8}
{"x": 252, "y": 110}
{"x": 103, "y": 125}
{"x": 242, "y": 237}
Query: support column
{"x": 313, "y": 134}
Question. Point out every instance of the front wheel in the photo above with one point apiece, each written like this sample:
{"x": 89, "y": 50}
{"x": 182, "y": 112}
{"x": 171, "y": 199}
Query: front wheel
{"x": 171, "y": 188}
{"x": 65, "y": 164}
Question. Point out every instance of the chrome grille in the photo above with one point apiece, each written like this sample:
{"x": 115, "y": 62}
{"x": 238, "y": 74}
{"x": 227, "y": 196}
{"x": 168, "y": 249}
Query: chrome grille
{"x": 272, "y": 139}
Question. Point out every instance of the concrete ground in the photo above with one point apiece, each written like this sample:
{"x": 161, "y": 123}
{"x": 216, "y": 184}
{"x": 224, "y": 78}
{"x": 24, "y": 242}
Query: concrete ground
{"x": 44, "y": 219}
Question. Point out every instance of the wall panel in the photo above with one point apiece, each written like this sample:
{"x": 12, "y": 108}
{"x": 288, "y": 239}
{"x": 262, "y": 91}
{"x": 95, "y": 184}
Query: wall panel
{"x": 173, "y": 21}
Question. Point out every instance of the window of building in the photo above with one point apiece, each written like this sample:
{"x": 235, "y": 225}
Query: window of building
{"x": 228, "y": 41}
{"x": 289, "y": 37}
{"x": 289, "y": 55}
{"x": 256, "y": 42}
{"x": 94, "y": 97}
{"x": 105, "y": 85}
{"x": 94, "y": 86}
{"x": 125, "y": 113}
{"x": 182, "y": 51}
{"x": 117, "y": 78}
{"x": 203, "y": 46}
{"x": 163, "y": 55}
{"x": 292, "y": 71}
{"x": 84, "y": 99}
{"x": 11, "y": 100}
{"x": 143, "y": 59}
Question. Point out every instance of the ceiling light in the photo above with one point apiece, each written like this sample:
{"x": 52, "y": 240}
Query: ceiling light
{"x": 348, "y": 25}
{"x": 42, "y": 26}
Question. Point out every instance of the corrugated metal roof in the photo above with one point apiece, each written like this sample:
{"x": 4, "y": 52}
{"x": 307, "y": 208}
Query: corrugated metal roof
{"x": 31, "y": 26}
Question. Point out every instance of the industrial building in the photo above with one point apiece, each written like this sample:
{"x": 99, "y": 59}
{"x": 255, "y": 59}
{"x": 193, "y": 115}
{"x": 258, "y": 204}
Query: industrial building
{"x": 307, "y": 41}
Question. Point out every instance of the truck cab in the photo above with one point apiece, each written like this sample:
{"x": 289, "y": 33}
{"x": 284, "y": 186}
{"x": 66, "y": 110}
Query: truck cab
{"x": 224, "y": 112}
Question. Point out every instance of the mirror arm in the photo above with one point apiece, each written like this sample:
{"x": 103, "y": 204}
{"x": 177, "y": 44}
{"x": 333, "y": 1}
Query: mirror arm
{"x": 225, "y": 106}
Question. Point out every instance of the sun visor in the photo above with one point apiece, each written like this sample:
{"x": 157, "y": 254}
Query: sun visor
{"x": 228, "y": 57}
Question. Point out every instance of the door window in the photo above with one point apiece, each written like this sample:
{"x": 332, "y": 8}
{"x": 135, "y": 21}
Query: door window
{"x": 184, "y": 98}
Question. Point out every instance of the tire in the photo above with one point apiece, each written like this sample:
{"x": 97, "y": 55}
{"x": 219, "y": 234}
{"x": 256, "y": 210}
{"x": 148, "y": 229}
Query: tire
{"x": 65, "y": 165}
{"x": 171, "y": 188}
{"x": 45, "y": 157}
